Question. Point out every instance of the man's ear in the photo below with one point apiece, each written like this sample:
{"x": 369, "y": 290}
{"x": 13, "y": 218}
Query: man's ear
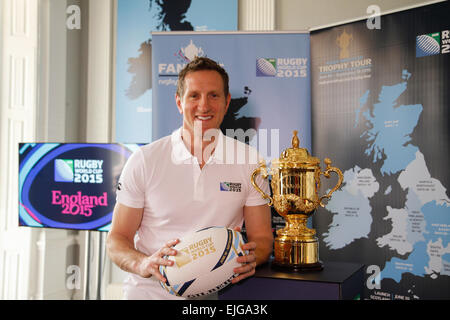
{"x": 178, "y": 102}
{"x": 228, "y": 102}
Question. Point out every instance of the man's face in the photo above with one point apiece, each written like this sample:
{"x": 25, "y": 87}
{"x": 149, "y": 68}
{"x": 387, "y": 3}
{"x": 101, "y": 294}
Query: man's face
{"x": 203, "y": 103}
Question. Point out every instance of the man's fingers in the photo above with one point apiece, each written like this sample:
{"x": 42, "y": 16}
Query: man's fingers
{"x": 249, "y": 246}
{"x": 159, "y": 258}
{"x": 157, "y": 274}
{"x": 243, "y": 275}
{"x": 168, "y": 252}
{"x": 248, "y": 262}
{"x": 164, "y": 262}
{"x": 171, "y": 243}
{"x": 245, "y": 267}
{"x": 247, "y": 258}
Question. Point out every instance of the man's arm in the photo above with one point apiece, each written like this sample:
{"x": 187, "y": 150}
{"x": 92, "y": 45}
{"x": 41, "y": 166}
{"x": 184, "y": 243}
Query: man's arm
{"x": 258, "y": 226}
{"x": 120, "y": 245}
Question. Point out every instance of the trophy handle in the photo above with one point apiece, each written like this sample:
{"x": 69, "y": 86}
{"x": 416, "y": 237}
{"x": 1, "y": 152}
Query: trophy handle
{"x": 326, "y": 174}
{"x": 262, "y": 170}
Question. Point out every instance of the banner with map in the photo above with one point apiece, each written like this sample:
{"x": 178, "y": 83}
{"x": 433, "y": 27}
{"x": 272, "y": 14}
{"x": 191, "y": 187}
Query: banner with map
{"x": 136, "y": 20}
{"x": 269, "y": 84}
{"x": 381, "y": 113}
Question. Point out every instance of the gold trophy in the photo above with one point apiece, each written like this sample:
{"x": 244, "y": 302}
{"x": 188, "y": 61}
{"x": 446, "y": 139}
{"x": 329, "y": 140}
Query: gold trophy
{"x": 295, "y": 185}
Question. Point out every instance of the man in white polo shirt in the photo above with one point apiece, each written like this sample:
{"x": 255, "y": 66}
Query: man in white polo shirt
{"x": 192, "y": 179}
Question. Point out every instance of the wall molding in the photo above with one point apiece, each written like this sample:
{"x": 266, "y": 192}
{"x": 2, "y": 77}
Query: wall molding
{"x": 19, "y": 43}
{"x": 257, "y": 15}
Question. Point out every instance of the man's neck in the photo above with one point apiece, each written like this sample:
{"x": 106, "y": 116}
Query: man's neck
{"x": 200, "y": 146}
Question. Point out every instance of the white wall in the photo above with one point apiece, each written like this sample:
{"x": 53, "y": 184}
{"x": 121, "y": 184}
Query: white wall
{"x": 55, "y": 87}
{"x": 19, "y": 43}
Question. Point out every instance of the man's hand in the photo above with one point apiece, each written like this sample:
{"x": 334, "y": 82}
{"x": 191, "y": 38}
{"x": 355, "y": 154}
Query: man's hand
{"x": 149, "y": 266}
{"x": 248, "y": 263}
{"x": 259, "y": 233}
{"x": 121, "y": 250}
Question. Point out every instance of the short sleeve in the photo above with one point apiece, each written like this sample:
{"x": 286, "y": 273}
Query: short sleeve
{"x": 254, "y": 197}
{"x": 131, "y": 186}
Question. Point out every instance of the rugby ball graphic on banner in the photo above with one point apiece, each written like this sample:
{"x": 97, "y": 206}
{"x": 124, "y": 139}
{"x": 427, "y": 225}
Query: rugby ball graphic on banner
{"x": 204, "y": 263}
{"x": 265, "y": 67}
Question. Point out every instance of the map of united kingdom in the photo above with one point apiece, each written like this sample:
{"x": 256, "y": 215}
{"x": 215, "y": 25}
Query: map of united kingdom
{"x": 420, "y": 234}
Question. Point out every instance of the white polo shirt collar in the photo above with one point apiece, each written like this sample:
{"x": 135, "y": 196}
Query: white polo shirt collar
{"x": 180, "y": 153}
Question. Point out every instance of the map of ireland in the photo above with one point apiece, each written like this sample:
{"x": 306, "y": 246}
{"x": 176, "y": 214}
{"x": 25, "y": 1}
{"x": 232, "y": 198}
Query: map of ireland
{"x": 352, "y": 219}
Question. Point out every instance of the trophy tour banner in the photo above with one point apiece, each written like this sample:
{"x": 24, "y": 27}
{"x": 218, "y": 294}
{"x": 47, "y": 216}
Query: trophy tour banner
{"x": 381, "y": 112}
{"x": 135, "y": 21}
{"x": 269, "y": 84}
{"x": 69, "y": 185}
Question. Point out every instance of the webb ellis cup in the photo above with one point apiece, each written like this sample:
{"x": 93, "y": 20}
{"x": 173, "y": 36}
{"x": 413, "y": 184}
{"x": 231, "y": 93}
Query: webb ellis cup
{"x": 295, "y": 185}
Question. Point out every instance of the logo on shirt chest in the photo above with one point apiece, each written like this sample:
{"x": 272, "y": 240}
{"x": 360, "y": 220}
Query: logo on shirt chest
{"x": 230, "y": 186}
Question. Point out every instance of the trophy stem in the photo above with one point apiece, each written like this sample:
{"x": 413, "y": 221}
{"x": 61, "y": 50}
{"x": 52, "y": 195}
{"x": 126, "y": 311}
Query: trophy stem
{"x": 296, "y": 246}
{"x": 296, "y": 224}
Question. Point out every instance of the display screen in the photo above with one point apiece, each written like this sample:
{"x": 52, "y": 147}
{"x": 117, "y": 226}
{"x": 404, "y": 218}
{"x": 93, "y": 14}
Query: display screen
{"x": 70, "y": 185}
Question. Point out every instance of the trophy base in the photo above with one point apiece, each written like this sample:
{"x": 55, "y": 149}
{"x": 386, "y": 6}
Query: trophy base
{"x": 295, "y": 255}
{"x": 318, "y": 266}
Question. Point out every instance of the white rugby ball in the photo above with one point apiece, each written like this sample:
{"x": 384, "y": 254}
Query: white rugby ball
{"x": 204, "y": 262}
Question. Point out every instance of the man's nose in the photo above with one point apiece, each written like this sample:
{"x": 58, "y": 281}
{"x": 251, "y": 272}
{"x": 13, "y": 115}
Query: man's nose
{"x": 203, "y": 103}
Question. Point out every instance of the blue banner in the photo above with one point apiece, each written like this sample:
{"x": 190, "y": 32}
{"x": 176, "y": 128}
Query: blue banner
{"x": 269, "y": 83}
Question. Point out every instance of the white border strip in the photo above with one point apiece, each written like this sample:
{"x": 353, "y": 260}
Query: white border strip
{"x": 168, "y": 33}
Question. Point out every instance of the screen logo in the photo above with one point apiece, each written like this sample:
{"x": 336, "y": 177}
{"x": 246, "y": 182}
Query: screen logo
{"x": 79, "y": 170}
{"x": 63, "y": 170}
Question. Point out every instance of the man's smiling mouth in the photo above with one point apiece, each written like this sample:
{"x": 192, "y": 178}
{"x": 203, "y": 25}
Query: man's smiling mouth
{"x": 203, "y": 118}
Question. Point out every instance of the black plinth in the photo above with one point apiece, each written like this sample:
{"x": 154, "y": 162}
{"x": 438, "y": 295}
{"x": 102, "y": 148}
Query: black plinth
{"x": 337, "y": 281}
